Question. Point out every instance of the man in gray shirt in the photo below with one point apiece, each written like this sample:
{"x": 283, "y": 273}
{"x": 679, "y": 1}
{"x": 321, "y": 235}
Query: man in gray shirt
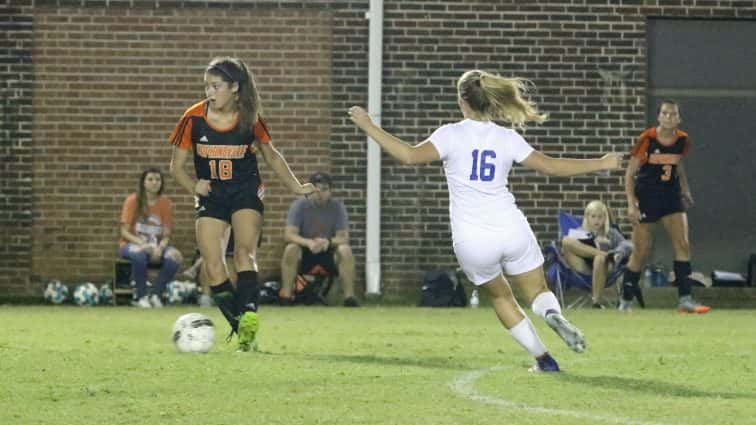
{"x": 317, "y": 237}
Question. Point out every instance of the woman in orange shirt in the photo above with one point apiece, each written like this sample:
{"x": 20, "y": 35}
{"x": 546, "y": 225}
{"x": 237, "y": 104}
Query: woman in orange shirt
{"x": 146, "y": 220}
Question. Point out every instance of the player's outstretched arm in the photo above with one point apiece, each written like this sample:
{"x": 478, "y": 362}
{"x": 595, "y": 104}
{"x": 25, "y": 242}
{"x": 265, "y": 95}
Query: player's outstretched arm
{"x": 570, "y": 167}
{"x": 406, "y": 154}
{"x": 276, "y": 161}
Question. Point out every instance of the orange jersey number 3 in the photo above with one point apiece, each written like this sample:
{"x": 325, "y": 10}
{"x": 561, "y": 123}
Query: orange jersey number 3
{"x": 224, "y": 169}
{"x": 667, "y": 173}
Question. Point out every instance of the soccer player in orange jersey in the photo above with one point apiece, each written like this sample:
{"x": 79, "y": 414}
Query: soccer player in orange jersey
{"x": 657, "y": 190}
{"x": 226, "y": 133}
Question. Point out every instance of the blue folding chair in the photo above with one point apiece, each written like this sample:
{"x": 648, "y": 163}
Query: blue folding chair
{"x": 560, "y": 276}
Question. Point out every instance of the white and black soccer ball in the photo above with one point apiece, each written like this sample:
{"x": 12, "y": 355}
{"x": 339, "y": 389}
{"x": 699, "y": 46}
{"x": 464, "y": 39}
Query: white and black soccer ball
{"x": 105, "y": 293}
{"x": 175, "y": 293}
{"x": 86, "y": 294}
{"x": 191, "y": 291}
{"x": 56, "y": 292}
{"x": 193, "y": 333}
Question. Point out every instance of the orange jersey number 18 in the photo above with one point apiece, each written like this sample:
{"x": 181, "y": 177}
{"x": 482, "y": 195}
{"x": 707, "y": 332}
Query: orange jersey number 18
{"x": 224, "y": 169}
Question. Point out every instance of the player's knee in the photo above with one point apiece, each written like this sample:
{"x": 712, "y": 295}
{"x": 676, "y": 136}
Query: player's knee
{"x": 642, "y": 249}
{"x": 500, "y": 292}
{"x": 682, "y": 245}
{"x": 214, "y": 269}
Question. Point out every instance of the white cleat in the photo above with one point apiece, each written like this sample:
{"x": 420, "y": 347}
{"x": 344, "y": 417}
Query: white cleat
{"x": 567, "y": 331}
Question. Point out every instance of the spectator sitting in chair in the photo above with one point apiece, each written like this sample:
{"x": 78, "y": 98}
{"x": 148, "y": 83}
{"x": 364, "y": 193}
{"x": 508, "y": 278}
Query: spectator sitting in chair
{"x": 595, "y": 248}
{"x": 146, "y": 219}
{"x": 317, "y": 234}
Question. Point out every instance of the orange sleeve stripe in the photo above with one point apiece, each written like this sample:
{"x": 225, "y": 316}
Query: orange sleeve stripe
{"x": 640, "y": 150}
{"x": 261, "y": 131}
{"x": 664, "y": 158}
{"x": 182, "y": 134}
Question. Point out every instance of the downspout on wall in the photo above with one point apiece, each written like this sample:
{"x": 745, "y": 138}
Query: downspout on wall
{"x": 375, "y": 76}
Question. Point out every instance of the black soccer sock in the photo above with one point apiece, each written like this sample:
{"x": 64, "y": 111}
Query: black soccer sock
{"x": 247, "y": 291}
{"x": 224, "y": 297}
{"x": 629, "y": 282}
{"x": 682, "y": 271}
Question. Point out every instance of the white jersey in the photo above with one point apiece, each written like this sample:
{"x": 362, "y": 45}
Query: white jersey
{"x": 478, "y": 156}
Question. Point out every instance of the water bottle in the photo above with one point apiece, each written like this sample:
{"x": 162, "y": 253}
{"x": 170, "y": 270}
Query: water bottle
{"x": 660, "y": 275}
{"x": 648, "y": 277}
{"x": 474, "y": 300}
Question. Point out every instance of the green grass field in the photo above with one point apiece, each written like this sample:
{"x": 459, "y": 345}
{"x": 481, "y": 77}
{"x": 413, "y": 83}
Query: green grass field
{"x": 374, "y": 365}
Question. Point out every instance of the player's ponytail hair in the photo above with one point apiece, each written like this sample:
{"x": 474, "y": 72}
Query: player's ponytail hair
{"x": 233, "y": 70}
{"x": 601, "y": 208}
{"x": 142, "y": 207}
{"x": 498, "y": 98}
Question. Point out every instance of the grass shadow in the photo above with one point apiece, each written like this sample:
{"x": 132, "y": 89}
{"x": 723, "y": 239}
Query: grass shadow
{"x": 657, "y": 388}
{"x": 446, "y": 363}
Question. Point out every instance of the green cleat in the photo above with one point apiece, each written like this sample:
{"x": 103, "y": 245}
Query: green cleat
{"x": 249, "y": 324}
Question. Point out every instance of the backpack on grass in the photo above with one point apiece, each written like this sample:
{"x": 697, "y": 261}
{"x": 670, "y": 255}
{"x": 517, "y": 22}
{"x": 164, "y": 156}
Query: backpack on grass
{"x": 441, "y": 288}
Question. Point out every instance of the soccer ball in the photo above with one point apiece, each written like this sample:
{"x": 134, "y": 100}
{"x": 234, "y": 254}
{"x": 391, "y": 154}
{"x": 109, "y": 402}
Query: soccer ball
{"x": 175, "y": 292}
{"x": 193, "y": 333}
{"x": 86, "y": 294}
{"x": 191, "y": 292}
{"x": 106, "y": 294}
{"x": 56, "y": 292}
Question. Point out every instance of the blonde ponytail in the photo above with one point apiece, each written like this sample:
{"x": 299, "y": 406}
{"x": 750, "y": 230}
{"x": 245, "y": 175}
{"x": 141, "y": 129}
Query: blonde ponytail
{"x": 498, "y": 98}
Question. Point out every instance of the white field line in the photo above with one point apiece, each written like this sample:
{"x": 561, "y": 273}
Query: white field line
{"x": 463, "y": 386}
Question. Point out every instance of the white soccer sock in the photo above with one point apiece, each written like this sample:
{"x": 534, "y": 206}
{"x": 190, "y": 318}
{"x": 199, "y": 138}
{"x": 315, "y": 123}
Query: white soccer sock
{"x": 525, "y": 334}
{"x": 544, "y": 302}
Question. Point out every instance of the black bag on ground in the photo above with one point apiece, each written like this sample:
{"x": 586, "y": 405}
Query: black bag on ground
{"x": 441, "y": 288}
{"x": 269, "y": 292}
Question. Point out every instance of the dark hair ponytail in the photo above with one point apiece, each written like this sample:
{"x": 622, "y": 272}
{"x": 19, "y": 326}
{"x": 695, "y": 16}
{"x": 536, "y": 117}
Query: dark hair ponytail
{"x": 233, "y": 70}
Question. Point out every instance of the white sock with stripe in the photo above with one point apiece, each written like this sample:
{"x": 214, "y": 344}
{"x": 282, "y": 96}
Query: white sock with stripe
{"x": 545, "y": 302}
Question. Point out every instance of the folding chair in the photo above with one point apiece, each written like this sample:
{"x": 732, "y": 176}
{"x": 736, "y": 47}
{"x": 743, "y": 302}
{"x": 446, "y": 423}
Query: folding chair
{"x": 121, "y": 282}
{"x": 560, "y": 276}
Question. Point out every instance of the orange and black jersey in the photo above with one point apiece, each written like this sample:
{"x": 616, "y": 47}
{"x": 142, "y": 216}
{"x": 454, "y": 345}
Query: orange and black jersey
{"x": 659, "y": 162}
{"x": 225, "y": 155}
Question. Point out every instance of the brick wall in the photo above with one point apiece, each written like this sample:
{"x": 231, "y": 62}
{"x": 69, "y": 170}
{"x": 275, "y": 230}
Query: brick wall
{"x": 110, "y": 79}
{"x": 16, "y": 78}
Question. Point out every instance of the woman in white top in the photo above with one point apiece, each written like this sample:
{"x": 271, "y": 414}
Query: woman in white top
{"x": 491, "y": 236}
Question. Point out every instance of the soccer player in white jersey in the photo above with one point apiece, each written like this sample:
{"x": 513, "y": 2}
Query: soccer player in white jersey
{"x": 491, "y": 236}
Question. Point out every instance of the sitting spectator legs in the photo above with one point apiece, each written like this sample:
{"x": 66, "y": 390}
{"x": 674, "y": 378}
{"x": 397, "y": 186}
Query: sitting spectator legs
{"x": 345, "y": 264}
{"x": 139, "y": 260}
{"x": 289, "y": 265}
{"x": 598, "y": 280}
